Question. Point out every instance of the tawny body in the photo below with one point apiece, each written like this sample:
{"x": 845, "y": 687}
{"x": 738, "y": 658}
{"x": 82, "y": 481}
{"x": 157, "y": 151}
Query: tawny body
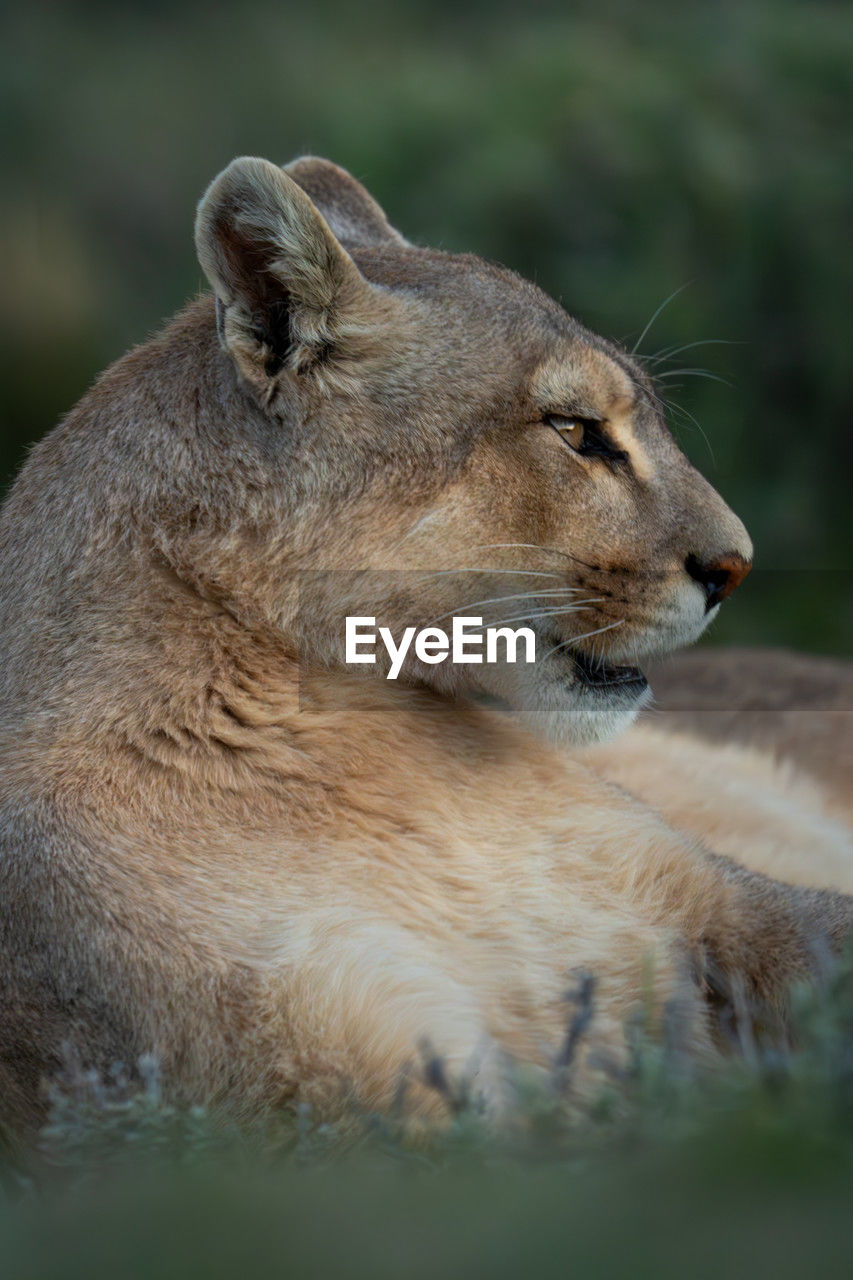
{"x": 288, "y": 881}
{"x": 411, "y": 878}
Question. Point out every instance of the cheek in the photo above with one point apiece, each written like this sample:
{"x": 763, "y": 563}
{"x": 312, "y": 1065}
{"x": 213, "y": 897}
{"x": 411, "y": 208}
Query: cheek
{"x": 499, "y": 499}
{"x": 596, "y": 516}
{"x": 528, "y": 494}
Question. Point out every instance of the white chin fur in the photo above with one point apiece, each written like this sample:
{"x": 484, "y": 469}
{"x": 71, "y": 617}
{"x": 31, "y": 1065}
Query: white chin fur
{"x": 561, "y": 710}
{"x": 576, "y": 718}
{"x": 554, "y": 705}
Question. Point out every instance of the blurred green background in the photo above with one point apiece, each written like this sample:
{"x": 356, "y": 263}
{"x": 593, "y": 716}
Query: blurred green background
{"x": 619, "y": 152}
{"x": 614, "y": 150}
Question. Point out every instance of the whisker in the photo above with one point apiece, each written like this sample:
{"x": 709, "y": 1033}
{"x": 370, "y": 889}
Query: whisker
{"x": 536, "y": 546}
{"x": 519, "y": 595}
{"x": 577, "y": 639}
{"x": 679, "y": 408}
{"x": 695, "y": 373}
{"x": 526, "y": 546}
{"x": 516, "y": 573}
{"x": 651, "y": 393}
{"x": 655, "y": 315}
{"x": 410, "y": 533}
{"x": 668, "y": 353}
{"x": 577, "y": 606}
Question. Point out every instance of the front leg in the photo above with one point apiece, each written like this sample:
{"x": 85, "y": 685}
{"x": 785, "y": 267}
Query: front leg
{"x": 767, "y": 934}
{"x": 374, "y": 1016}
{"x": 747, "y": 932}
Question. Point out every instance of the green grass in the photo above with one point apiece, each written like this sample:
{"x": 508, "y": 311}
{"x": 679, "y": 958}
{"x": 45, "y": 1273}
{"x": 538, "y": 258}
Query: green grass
{"x": 741, "y": 1170}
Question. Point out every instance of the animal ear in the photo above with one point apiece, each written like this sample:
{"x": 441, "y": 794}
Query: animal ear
{"x": 349, "y": 209}
{"x": 287, "y": 292}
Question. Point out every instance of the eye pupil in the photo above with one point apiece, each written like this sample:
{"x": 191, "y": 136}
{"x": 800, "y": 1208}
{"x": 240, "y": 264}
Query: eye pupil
{"x": 586, "y": 436}
{"x": 572, "y": 430}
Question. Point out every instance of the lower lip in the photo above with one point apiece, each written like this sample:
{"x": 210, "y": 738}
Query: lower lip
{"x": 610, "y": 679}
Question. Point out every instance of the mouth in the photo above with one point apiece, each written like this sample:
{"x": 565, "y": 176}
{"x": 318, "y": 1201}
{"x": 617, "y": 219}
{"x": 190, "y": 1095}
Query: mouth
{"x": 601, "y": 677}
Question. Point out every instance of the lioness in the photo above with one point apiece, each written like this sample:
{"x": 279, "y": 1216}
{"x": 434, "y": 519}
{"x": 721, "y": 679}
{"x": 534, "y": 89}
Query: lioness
{"x": 289, "y": 878}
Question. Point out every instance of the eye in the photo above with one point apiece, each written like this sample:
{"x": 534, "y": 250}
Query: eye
{"x": 572, "y": 430}
{"x": 585, "y": 435}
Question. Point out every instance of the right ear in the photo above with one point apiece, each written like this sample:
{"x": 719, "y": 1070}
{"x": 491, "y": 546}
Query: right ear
{"x": 349, "y": 209}
{"x": 288, "y": 294}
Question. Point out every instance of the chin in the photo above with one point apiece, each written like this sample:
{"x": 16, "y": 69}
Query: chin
{"x": 576, "y": 701}
{"x": 573, "y": 718}
{"x": 581, "y": 700}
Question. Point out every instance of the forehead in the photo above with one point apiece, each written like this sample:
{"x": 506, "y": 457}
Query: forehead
{"x": 564, "y": 364}
{"x": 464, "y": 285}
{"x": 584, "y": 380}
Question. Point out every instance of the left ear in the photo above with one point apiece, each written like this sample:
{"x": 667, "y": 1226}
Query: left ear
{"x": 288, "y": 294}
{"x": 350, "y": 210}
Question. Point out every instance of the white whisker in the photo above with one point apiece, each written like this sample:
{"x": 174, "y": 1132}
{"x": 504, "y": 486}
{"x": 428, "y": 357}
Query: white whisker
{"x": 523, "y": 546}
{"x": 577, "y": 606}
{"x": 655, "y": 315}
{"x": 673, "y": 404}
{"x": 519, "y": 573}
{"x": 695, "y": 373}
{"x": 537, "y": 546}
{"x": 577, "y": 639}
{"x": 519, "y": 595}
{"x": 669, "y": 353}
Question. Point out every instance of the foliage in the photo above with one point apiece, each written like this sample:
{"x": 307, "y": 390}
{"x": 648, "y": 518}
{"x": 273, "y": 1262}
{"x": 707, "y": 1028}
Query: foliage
{"x": 740, "y": 1169}
{"x": 621, "y": 154}
{"x": 616, "y": 151}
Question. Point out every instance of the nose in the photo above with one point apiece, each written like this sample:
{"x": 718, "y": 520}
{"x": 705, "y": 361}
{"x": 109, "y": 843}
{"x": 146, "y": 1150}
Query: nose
{"x": 718, "y": 580}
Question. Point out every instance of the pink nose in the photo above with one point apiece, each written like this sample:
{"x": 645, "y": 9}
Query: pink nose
{"x": 718, "y": 580}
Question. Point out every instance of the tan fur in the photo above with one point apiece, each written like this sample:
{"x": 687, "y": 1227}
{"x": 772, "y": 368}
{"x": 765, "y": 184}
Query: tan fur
{"x": 292, "y": 880}
{"x": 796, "y": 708}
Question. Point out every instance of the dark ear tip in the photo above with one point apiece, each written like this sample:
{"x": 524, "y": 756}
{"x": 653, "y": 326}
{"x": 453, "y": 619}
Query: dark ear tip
{"x": 323, "y": 180}
{"x": 244, "y": 175}
{"x": 248, "y": 183}
{"x": 274, "y": 265}
{"x": 350, "y": 210}
{"x": 318, "y": 165}
{"x": 237, "y": 176}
